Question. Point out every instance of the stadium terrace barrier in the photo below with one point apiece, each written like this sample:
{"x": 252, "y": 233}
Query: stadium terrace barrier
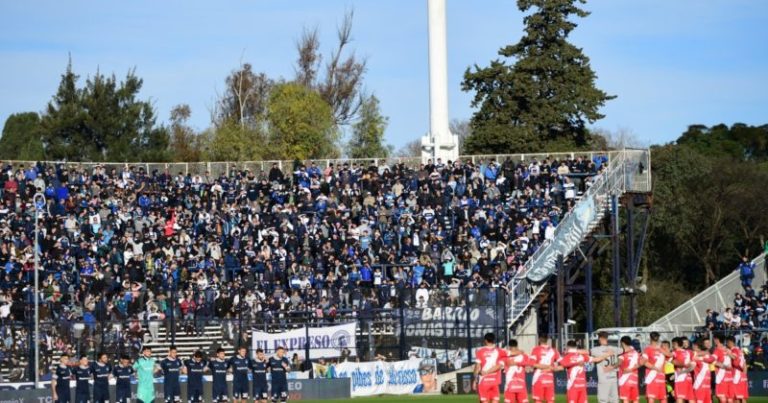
{"x": 217, "y": 168}
{"x": 446, "y": 328}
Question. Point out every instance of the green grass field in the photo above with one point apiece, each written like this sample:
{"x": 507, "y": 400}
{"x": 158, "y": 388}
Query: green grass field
{"x": 462, "y": 399}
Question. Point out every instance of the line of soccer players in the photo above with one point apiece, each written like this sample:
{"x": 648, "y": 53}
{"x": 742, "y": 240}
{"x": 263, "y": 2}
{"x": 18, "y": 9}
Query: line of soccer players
{"x": 171, "y": 367}
{"x": 692, "y": 371}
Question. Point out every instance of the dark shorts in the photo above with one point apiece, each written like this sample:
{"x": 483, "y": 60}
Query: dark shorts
{"x": 195, "y": 393}
{"x": 280, "y": 392}
{"x": 240, "y": 389}
{"x": 219, "y": 391}
{"x": 172, "y": 392}
{"x": 123, "y": 395}
{"x": 64, "y": 395}
{"x": 260, "y": 391}
{"x": 101, "y": 394}
{"x": 82, "y": 397}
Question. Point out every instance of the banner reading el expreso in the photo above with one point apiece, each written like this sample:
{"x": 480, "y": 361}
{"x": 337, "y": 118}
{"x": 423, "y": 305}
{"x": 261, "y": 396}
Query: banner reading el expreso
{"x": 379, "y": 377}
{"x": 325, "y": 342}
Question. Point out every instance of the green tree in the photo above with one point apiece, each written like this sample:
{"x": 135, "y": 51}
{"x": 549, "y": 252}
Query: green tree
{"x": 739, "y": 142}
{"x": 185, "y": 144}
{"x": 542, "y": 101}
{"x": 301, "y": 124}
{"x": 232, "y": 142}
{"x": 368, "y": 132}
{"x": 22, "y": 137}
{"x": 104, "y": 120}
{"x": 706, "y": 214}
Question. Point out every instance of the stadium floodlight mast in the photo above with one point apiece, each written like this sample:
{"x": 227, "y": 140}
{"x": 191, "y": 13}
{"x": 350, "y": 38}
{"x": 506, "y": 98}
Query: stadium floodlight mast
{"x": 439, "y": 142}
{"x": 39, "y": 202}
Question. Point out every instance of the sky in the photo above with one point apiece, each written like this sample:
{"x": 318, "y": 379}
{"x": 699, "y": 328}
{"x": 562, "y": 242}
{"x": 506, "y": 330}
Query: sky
{"x": 670, "y": 63}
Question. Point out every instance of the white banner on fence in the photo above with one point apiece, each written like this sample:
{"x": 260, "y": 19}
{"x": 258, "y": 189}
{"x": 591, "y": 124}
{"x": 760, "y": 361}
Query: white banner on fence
{"x": 325, "y": 342}
{"x": 379, "y": 377}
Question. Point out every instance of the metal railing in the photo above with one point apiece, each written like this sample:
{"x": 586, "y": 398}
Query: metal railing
{"x": 717, "y": 297}
{"x": 447, "y": 324}
{"x": 628, "y": 170}
{"x": 216, "y": 168}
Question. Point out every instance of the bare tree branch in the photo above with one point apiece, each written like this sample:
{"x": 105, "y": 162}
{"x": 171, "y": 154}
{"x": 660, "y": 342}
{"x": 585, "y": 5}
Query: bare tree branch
{"x": 309, "y": 57}
{"x": 245, "y": 98}
{"x": 342, "y": 87}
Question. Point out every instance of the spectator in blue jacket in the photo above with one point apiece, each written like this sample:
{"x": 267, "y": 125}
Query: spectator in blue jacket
{"x": 746, "y": 272}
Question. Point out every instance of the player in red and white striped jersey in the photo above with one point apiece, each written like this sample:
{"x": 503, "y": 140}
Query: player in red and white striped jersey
{"x": 488, "y": 366}
{"x": 573, "y": 361}
{"x": 740, "y": 387}
{"x": 723, "y": 375}
{"x": 629, "y": 362}
{"x": 684, "y": 366}
{"x": 515, "y": 367}
{"x": 702, "y": 378}
{"x": 654, "y": 359}
{"x": 543, "y": 384}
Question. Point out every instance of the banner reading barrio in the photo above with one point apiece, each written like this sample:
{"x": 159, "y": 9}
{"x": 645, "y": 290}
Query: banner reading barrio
{"x": 327, "y": 342}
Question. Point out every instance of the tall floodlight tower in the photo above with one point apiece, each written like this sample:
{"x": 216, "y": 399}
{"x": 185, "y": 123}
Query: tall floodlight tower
{"x": 439, "y": 142}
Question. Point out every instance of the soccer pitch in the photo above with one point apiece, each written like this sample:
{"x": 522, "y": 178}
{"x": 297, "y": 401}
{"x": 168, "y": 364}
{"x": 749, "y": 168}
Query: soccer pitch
{"x": 463, "y": 399}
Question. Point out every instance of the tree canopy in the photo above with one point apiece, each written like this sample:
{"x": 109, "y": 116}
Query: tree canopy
{"x": 102, "y": 121}
{"x": 545, "y": 98}
{"x": 301, "y": 124}
{"x": 22, "y": 136}
{"x": 368, "y": 132}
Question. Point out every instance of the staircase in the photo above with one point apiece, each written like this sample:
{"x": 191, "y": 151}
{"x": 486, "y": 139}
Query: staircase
{"x": 628, "y": 171}
{"x": 690, "y": 315}
{"x": 186, "y": 345}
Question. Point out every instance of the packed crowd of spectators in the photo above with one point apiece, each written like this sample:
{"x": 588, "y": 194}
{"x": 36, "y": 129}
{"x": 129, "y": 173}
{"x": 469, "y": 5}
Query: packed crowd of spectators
{"x": 125, "y": 245}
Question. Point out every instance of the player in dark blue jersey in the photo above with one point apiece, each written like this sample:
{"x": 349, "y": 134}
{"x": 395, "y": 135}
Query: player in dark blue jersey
{"x": 172, "y": 367}
{"x": 102, "y": 371}
{"x": 240, "y": 365}
{"x": 279, "y": 367}
{"x": 195, "y": 368}
{"x": 82, "y": 374}
{"x": 218, "y": 367}
{"x": 60, "y": 381}
{"x": 259, "y": 371}
{"x": 122, "y": 373}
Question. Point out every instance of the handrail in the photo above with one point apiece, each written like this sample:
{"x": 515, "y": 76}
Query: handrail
{"x": 726, "y": 284}
{"x": 624, "y": 170}
{"x": 520, "y": 156}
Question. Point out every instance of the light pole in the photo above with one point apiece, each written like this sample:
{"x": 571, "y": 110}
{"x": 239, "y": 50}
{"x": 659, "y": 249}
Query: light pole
{"x": 39, "y": 200}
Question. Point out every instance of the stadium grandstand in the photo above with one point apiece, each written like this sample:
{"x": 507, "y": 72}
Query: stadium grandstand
{"x": 143, "y": 254}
